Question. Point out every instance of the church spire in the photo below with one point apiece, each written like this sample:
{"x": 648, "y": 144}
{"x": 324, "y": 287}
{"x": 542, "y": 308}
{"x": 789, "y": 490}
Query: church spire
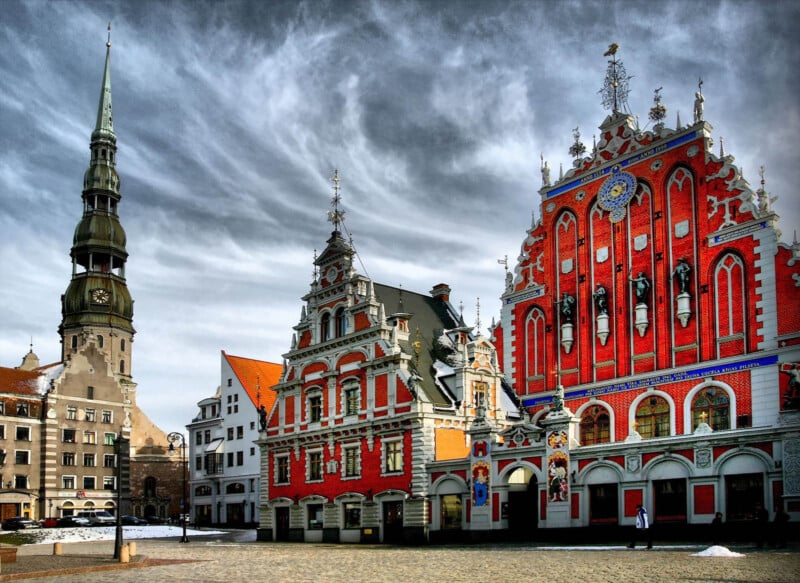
{"x": 97, "y": 301}
{"x": 104, "y": 128}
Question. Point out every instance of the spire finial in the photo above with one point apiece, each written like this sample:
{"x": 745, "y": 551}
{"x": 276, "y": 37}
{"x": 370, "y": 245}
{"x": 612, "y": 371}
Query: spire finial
{"x": 478, "y": 315}
{"x": 108, "y": 42}
{"x": 314, "y": 269}
{"x": 336, "y": 216}
{"x": 615, "y": 87}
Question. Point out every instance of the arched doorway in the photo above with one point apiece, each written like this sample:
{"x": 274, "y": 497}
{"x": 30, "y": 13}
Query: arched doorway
{"x": 523, "y": 504}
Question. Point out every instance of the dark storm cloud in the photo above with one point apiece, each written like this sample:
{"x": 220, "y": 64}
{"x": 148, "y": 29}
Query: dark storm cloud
{"x": 231, "y": 117}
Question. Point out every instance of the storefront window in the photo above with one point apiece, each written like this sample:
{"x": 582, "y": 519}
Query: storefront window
{"x": 451, "y": 511}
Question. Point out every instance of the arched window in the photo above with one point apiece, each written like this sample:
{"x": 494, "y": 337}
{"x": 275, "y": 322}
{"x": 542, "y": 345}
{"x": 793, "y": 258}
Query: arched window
{"x": 122, "y": 345}
{"x": 150, "y": 484}
{"x": 652, "y": 417}
{"x": 100, "y": 341}
{"x": 534, "y": 344}
{"x": 74, "y": 342}
{"x": 729, "y": 299}
{"x": 122, "y": 367}
{"x": 340, "y": 323}
{"x": 595, "y": 426}
{"x": 325, "y": 327}
{"x": 713, "y": 406}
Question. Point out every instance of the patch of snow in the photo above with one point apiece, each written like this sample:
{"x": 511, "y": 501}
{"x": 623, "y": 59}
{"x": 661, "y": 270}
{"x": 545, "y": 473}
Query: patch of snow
{"x": 717, "y": 551}
{"x": 100, "y": 533}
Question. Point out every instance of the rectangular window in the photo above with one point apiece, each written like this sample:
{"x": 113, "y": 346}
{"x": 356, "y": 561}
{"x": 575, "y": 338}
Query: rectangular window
{"x": 88, "y": 482}
{"x": 90, "y": 392}
{"x": 239, "y": 458}
{"x": 88, "y": 460}
{"x": 252, "y": 451}
{"x": 198, "y": 438}
{"x": 236, "y": 398}
{"x": 108, "y": 483}
{"x": 229, "y": 396}
{"x": 236, "y": 408}
{"x": 207, "y": 436}
{"x": 230, "y": 459}
{"x": 21, "y": 482}
{"x": 352, "y": 514}
{"x": 351, "y": 401}
{"x": 198, "y": 463}
{"x": 91, "y": 415}
{"x": 2, "y": 431}
{"x": 68, "y": 458}
{"x": 108, "y": 416}
{"x": 480, "y": 393}
{"x": 23, "y": 409}
{"x": 394, "y": 457}
{"x": 282, "y": 472}
{"x": 315, "y": 465}
{"x": 23, "y": 433}
{"x": 2, "y": 408}
{"x": 252, "y": 425}
{"x": 314, "y": 516}
{"x": 68, "y": 435}
{"x": 352, "y": 468}
{"x": 68, "y": 482}
{"x": 230, "y": 433}
{"x": 109, "y": 438}
{"x": 229, "y": 409}
{"x": 89, "y": 437}
{"x": 742, "y": 493}
{"x": 315, "y": 409}
{"x": 109, "y": 460}
{"x": 72, "y": 413}
{"x": 240, "y": 432}
{"x": 22, "y": 457}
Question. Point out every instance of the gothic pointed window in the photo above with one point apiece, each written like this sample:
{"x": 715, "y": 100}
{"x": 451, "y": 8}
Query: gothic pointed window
{"x": 731, "y": 306}
{"x": 535, "y": 344}
{"x": 652, "y": 417}
{"x": 712, "y": 406}
{"x": 595, "y": 426}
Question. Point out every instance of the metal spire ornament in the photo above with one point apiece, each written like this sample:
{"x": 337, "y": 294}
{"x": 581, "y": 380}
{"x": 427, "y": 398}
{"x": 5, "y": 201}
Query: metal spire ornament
{"x": 577, "y": 149}
{"x": 336, "y": 216}
{"x": 615, "y": 87}
{"x": 659, "y": 111}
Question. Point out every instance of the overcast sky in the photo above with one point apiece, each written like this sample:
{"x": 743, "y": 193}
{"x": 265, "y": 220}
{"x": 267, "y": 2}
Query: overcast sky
{"x": 231, "y": 117}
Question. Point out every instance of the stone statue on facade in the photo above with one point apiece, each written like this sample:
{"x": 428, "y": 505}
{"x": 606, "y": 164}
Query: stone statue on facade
{"x": 683, "y": 275}
{"x": 698, "y": 103}
{"x": 641, "y": 287}
{"x": 601, "y": 299}
{"x": 567, "y": 308}
{"x": 262, "y": 418}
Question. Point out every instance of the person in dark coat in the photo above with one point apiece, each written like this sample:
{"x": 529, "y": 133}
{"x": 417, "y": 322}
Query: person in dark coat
{"x": 762, "y": 522}
{"x": 716, "y": 528}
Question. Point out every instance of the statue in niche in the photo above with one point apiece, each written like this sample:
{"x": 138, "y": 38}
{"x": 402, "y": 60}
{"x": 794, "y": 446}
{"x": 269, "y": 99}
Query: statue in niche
{"x": 641, "y": 287}
{"x": 567, "y": 308}
{"x": 791, "y": 400}
{"x": 683, "y": 274}
{"x": 601, "y": 299}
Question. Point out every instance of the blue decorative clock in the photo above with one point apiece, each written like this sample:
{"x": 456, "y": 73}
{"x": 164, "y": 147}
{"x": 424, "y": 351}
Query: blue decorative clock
{"x": 616, "y": 192}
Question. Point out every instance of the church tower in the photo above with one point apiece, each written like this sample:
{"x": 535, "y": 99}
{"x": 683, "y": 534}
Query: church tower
{"x": 97, "y": 302}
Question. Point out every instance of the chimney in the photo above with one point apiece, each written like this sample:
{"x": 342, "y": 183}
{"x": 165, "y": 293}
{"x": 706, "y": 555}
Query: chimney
{"x": 441, "y": 291}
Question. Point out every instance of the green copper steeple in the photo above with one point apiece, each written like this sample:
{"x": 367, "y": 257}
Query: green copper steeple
{"x": 97, "y": 301}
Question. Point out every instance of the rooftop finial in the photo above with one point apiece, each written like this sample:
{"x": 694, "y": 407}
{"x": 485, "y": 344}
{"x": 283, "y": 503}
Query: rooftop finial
{"x": 615, "y": 87}
{"x": 336, "y": 216}
{"x": 659, "y": 111}
{"x": 478, "y": 315}
{"x": 108, "y": 42}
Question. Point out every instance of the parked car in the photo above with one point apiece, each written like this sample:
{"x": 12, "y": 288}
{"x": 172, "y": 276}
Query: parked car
{"x": 133, "y": 520}
{"x": 70, "y": 521}
{"x": 98, "y": 517}
{"x": 48, "y": 522}
{"x": 19, "y": 522}
{"x": 154, "y": 520}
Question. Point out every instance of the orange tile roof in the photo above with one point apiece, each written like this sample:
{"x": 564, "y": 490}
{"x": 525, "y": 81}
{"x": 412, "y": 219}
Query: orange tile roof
{"x": 253, "y": 374}
{"x": 22, "y": 382}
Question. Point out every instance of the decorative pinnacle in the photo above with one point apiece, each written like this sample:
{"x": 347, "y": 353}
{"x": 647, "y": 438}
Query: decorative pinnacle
{"x": 108, "y": 42}
{"x": 659, "y": 111}
{"x": 336, "y": 216}
{"x": 615, "y": 87}
{"x": 577, "y": 149}
{"x": 478, "y": 315}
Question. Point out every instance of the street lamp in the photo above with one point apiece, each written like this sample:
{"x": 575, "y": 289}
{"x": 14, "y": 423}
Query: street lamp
{"x": 174, "y": 438}
{"x": 119, "y": 449}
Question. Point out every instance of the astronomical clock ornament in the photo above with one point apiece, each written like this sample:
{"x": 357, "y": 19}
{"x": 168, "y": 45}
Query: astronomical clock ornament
{"x": 616, "y": 192}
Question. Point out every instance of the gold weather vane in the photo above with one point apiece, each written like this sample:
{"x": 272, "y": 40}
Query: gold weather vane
{"x": 615, "y": 86}
{"x": 336, "y": 216}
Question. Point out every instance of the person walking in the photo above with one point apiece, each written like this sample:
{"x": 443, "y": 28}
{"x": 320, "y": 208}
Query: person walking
{"x": 716, "y": 528}
{"x": 642, "y": 528}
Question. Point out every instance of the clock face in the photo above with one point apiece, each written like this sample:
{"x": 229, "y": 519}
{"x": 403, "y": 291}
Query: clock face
{"x": 616, "y": 192}
{"x": 100, "y": 296}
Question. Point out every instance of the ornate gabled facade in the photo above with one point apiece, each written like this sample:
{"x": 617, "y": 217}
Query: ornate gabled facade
{"x": 88, "y": 399}
{"x": 645, "y": 328}
{"x": 379, "y": 383}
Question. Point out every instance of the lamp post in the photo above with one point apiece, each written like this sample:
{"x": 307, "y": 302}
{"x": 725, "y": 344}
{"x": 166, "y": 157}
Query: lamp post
{"x": 119, "y": 449}
{"x": 174, "y": 438}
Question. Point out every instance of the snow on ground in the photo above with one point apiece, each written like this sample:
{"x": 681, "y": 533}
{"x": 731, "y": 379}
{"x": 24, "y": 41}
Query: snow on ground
{"x": 717, "y": 551}
{"x": 100, "y": 533}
